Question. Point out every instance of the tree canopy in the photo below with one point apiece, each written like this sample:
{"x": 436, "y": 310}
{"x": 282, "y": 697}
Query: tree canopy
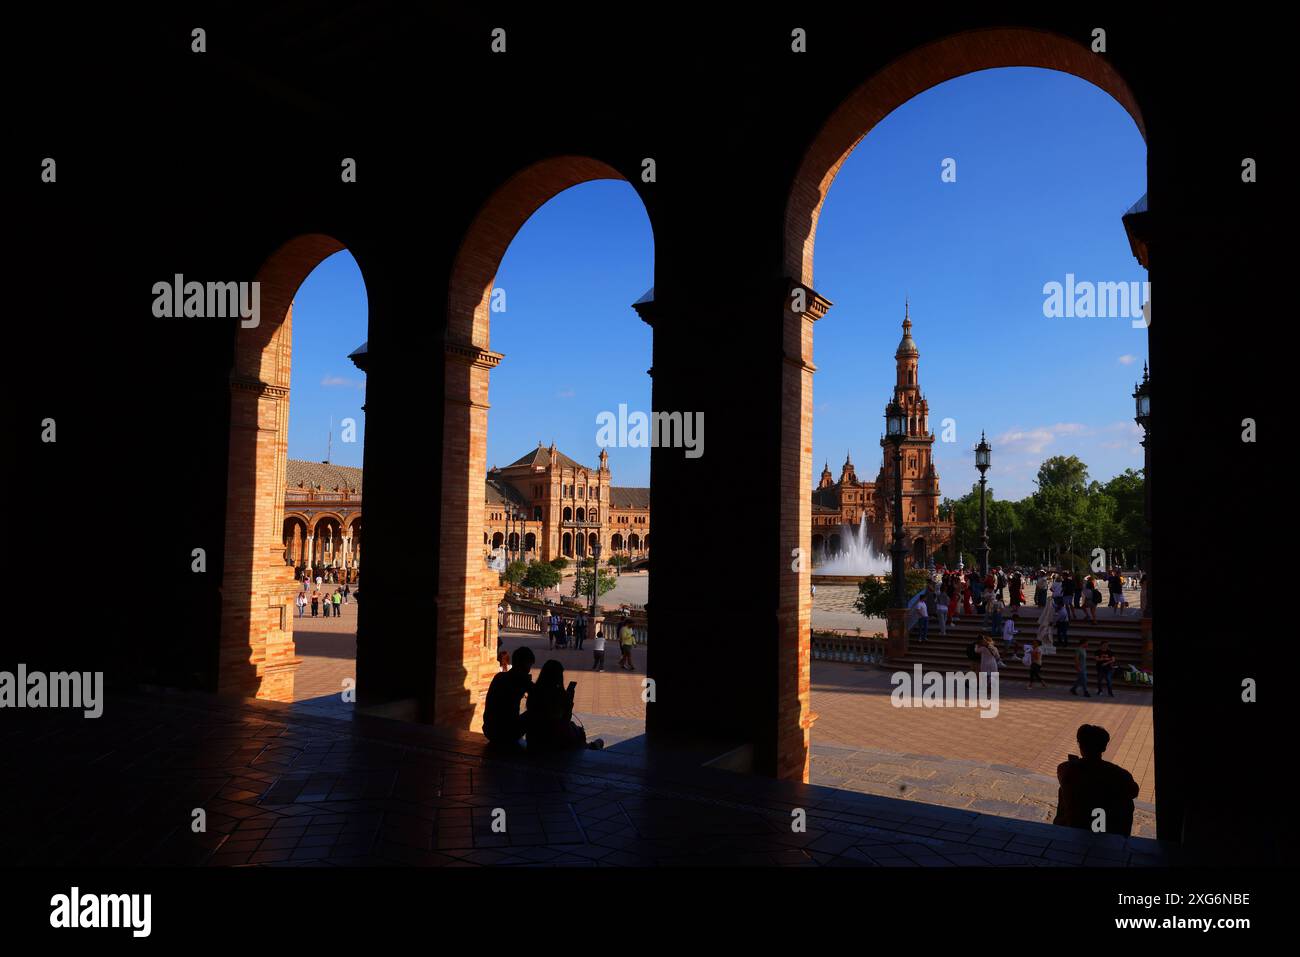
{"x": 1065, "y": 520}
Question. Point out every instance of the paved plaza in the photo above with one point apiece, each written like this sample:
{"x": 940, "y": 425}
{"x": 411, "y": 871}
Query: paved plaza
{"x": 943, "y": 756}
{"x": 287, "y": 785}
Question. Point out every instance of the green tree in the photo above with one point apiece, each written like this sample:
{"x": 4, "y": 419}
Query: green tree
{"x": 605, "y": 582}
{"x": 560, "y": 563}
{"x": 875, "y": 595}
{"x": 515, "y": 572}
{"x": 1063, "y": 471}
{"x": 541, "y": 575}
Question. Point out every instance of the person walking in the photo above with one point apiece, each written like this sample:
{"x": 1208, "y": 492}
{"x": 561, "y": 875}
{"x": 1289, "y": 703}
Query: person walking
{"x": 1063, "y": 622}
{"x": 598, "y": 651}
{"x": 1115, "y": 586}
{"x": 1040, "y": 588}
{"x": 301, "y": 601}
{"x": 579, "y": 631}
{"x": 1009, "y": 634}
{"x": 1068, "y": 592}
{"x": 555, "y": 630}
{"x": 922, "y": 618}
{"x": 315, "y": 602}
{"x": 1105, "y": 665}
{"x": 996, "y": 608}
{"x": 1081, "y": 669}
{"x": 626, "y": 641}
{"x": 338, "y": 603}
{"x": 1091, "y": 597}
{"x": 1036, "y": 664}
{"x": 1017, "y": 585}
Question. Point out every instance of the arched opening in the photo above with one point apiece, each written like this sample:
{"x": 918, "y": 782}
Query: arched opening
{"x": 465, "y": 655}
{"x": 530, "y": 542}
{"x": 497, "y": 539}
{"x": 906, "y": 77}
{"x": 295, "y": 542}
{"x": 257, "y": 653}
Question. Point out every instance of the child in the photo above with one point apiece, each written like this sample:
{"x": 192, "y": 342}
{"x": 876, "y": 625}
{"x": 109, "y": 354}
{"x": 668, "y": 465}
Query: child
{"x": 1009, "y": 633}
{"x": 1035, "y": 655}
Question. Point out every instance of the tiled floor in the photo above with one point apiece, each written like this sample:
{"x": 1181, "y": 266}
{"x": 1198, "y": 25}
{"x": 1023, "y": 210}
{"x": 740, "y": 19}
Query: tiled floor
{"x": 280, "y": 784}
{"x": 1032, "y": 733}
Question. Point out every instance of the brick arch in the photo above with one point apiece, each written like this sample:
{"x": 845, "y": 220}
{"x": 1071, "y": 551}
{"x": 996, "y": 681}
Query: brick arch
{"x": 470, "y": 292}
{"x": 465, "y": 661}
{"x": 320, "y": 516}
{"x": 257, "y": 650}
{"x": 911, "y": 74}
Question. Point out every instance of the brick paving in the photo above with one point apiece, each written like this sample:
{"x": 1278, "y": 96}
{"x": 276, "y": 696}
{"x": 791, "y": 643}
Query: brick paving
{"x": 283, "y": 786}
{"x": 945, "y": 756}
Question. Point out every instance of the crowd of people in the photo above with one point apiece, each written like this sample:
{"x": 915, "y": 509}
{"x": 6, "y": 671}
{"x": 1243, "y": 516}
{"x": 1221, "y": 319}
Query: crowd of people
{"x": 997, "y": 598}
{"x": 322, "y": 601}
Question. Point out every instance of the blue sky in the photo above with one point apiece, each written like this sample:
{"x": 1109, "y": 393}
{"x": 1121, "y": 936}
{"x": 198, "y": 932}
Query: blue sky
{"x": 1046, "y": 166}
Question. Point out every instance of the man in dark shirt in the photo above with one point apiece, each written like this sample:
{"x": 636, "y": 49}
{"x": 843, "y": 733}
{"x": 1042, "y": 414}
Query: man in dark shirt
{"x": 502, "y": 722}
{"x": 1090, "y": 783}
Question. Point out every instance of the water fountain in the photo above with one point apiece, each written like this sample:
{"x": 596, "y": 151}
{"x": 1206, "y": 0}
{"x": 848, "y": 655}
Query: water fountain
{"x": 855, "y": 560}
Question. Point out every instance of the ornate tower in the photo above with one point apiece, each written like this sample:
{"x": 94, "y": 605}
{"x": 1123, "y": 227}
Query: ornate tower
{"x": 920, "y": 481}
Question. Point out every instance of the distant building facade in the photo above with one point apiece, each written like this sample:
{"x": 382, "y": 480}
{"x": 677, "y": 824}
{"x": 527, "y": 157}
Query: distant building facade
{"x": 857, "y": 504}
{"x": 544, "y": 505}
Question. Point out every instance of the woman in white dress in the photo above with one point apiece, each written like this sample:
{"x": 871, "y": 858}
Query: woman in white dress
{"x": 990, "y": 660}
{"x": 1045, "y": 621}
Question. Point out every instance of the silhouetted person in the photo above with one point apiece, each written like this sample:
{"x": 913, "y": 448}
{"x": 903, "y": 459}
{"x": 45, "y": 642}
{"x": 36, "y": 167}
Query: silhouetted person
{"x": 549, "y": 717}
{"x": 502, "y": 722}
{"x": 1089, "y": 783}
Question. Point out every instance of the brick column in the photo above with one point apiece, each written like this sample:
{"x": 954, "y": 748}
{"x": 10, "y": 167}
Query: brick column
{"x": 461, "y": 567}
{"x": 257, "y": 652}
{"x": 801, "y": 308}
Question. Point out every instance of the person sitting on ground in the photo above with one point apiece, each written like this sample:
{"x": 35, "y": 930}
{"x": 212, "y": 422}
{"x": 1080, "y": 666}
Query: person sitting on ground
{"x": 1089, "y": 784}
{"x": 549, "y": 715}
{"x": 502, "y": 723}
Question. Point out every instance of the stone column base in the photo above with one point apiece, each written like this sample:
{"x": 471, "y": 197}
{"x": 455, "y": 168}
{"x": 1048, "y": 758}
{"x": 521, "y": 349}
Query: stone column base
{"x": 896, "y": 632}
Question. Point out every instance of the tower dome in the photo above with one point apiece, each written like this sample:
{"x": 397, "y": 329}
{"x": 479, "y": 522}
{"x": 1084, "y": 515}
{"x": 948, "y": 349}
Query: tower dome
{"x": 906, "y": 347}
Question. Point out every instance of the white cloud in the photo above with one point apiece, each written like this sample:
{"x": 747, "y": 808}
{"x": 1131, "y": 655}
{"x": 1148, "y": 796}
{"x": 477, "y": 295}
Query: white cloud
{"x": 1127, "y": 360}
{"x": 332, "y": 381}
{"x": 1035, "y": 440}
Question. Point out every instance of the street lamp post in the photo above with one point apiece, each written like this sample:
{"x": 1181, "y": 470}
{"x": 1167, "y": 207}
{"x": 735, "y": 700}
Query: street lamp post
{"x": 896, "y": 426}
{"x": 595, "y": 580}
{"x": 982, "y": 452}
{"x": 896, "y": 614}
{"x": 1142, "y": 416}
